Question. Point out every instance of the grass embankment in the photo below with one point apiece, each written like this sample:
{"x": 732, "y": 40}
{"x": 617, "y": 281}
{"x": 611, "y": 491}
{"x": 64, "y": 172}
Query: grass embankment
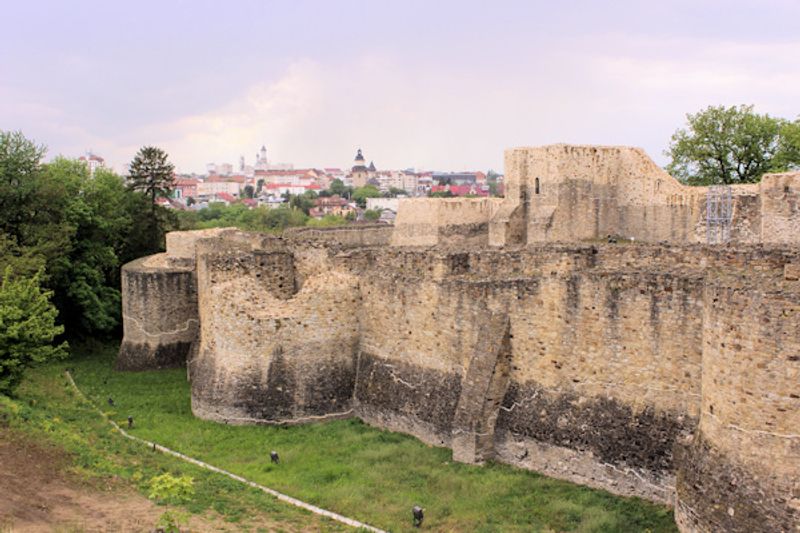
{"x": 345, "y": 466}
{"x": 45, "y": 409}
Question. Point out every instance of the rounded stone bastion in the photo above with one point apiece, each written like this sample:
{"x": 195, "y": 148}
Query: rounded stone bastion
{"x": 279, "y": 333}
{"x": 741, "y": 473}
{"x": 159, "y": 304}
{"x": 159, "y": 308}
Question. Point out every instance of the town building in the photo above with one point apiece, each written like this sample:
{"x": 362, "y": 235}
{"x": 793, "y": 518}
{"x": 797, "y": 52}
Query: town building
{"x": 93, "y": 161}
{"x": 331, "y": 205}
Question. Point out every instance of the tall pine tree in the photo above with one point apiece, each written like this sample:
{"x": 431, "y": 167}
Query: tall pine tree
{"x": 153, "y": 175}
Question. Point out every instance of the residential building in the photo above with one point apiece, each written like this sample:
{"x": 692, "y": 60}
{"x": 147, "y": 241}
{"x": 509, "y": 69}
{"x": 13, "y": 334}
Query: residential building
{"x": 92, "y": 161}
{"x": 331, "y": 205}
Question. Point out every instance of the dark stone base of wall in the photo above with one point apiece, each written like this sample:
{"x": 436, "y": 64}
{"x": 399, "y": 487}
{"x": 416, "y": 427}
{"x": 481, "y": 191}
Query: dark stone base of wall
{"x": 407, "y": 398}
{"x": 143, "y": 356}
{"x": 290, "y": 393}
{"x": 611, "y": 431}
{"x": 715, "y": 494}
{"x": 583, "y": 468}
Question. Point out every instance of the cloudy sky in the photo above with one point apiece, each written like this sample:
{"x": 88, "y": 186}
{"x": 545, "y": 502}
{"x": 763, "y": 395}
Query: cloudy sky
{"x": 437, "y": 85}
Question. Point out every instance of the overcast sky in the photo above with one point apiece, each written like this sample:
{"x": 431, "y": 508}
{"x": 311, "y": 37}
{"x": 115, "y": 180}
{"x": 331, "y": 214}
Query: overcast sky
{"x": 431, "y": 84}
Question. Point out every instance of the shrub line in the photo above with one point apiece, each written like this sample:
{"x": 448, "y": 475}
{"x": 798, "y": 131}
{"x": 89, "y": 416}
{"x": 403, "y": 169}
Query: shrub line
{"x": 282, "y": 497}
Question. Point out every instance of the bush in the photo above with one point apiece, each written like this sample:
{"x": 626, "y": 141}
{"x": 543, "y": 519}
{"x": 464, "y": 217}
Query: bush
{"x": 328, "y": 221}
{"x": 27, "y": 328}
{"x": 167, "y": 488}
{"x": 372, "y": 214}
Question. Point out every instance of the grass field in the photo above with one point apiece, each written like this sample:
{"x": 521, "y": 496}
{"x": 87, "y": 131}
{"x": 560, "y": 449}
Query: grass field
{"x": 345, "y": 466}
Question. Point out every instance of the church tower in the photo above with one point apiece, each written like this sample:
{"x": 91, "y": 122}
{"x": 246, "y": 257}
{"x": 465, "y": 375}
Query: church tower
{"x": 359, "y": 171}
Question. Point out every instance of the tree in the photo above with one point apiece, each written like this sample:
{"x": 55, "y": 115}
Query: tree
{"x": 27, "y": 328}
{"x": 152, "y": 175}
{"x": 394, "y": 192}
{"x": 338, "y": 187}
{"x": 361, "y": 194}
{"x": 303, "y": 202}
{"x": 725, "y": 145}
{"x": 248, "y": 191}
{"x": 19, "y": 171}
{"x": 788, "y": 155}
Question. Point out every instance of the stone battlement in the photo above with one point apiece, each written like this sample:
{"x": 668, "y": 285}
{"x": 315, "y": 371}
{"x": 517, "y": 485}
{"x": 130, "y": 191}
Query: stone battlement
{"x": 666, "y": 370}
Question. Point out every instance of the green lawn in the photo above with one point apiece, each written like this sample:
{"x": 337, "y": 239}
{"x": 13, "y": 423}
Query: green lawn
{"x": 346, "y": 466}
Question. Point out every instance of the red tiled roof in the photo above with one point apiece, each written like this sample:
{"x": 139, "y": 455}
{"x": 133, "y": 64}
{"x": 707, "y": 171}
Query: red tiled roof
{"x": 225, "y": 196}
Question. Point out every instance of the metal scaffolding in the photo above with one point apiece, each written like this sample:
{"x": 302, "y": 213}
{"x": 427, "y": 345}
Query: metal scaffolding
{"x": 719, "y": 213}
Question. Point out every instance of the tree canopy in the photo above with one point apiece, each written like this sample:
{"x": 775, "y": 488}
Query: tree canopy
{"x": 72, "y": 230}
{"x": 728, "y": 145}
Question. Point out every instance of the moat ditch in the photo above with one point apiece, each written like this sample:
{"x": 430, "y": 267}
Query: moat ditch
{"x": 354, "y": 469}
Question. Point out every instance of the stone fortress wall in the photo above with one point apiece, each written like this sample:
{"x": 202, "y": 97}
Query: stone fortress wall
{"x": 667, "y": 370}
{"x": 567, "y": 193}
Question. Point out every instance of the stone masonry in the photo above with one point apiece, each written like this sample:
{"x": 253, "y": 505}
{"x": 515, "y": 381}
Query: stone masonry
{"x": 511, "y": 330}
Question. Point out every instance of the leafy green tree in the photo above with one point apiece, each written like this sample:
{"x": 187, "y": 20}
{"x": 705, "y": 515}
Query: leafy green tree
{"x": 249, "y": 191}
{"x": 19, "y": 171}
{"x": 303, "y": 202}
{"x": 338, "y": 187}
{"x": 788, "y": 155}
{"x": 361, "y": 194}
{"x": 91, "y": 219}
{"x": 441, "y": 194}
{"x": 394, "y": 192}
{"x": 27, "y": 328}
{"x": 725, "y": 145}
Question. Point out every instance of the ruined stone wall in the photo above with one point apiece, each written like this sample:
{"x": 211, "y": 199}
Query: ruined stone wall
{"x": 594, "y": 372}
{"x": 347, "y": 236}
{"x": 278, "y": 341}
{"x": 452, "y": 221}
{"x": 780, "y": 208}
{"x": 588, "y": 192}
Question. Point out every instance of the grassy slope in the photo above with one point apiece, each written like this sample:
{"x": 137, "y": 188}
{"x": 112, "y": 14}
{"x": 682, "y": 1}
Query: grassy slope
{"x": 46, "y": 408}
{"x": 369, "y": 474}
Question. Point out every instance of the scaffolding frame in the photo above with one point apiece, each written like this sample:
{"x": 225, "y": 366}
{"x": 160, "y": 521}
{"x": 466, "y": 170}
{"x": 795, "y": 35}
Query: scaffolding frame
{"x": 719, "y": 214}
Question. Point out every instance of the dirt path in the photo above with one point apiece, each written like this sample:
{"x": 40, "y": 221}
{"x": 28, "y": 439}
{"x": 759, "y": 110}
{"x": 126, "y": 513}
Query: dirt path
{"x": 37, "y": 494}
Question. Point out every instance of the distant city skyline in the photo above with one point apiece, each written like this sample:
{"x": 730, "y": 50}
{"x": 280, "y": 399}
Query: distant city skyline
{"x": 435, "y": 85}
